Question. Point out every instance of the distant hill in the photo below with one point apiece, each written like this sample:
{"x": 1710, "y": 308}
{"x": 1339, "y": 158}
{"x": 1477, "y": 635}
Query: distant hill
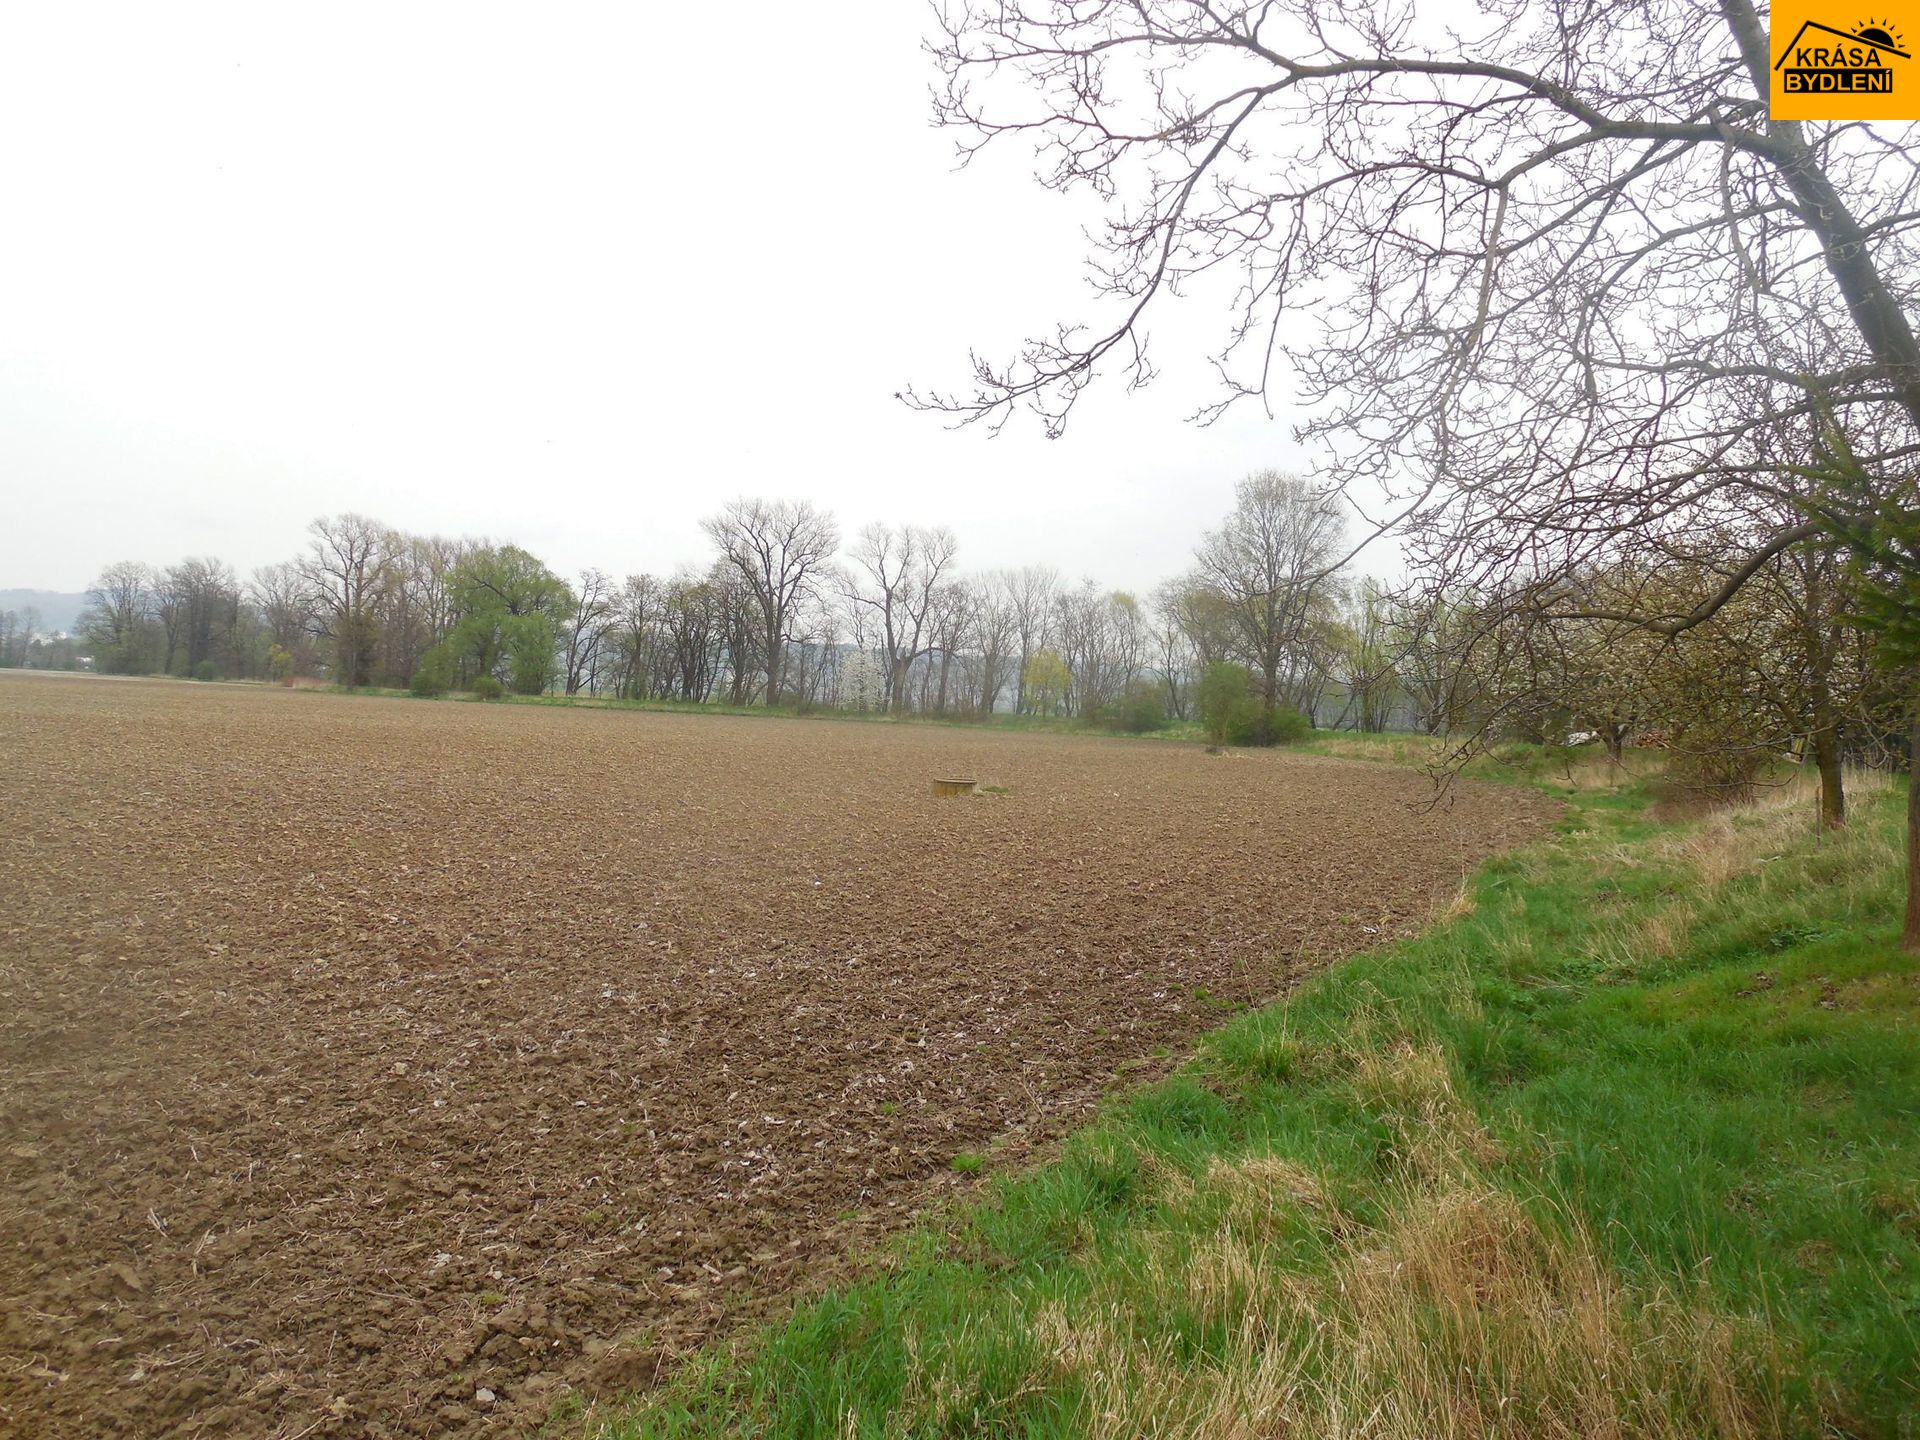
{"x": 58, "y": 610}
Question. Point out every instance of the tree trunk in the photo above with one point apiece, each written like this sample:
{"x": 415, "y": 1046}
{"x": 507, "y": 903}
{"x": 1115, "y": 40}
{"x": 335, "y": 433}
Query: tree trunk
{"x": 776, "y": 662}
{"x": 1823, "y": 642}
{"x": 1826, "y": 759}
{"x": 1910, "y": 937}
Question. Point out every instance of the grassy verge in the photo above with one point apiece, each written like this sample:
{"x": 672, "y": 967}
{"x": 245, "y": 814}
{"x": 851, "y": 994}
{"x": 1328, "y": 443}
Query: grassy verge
{"x": 1626, "y": 1146}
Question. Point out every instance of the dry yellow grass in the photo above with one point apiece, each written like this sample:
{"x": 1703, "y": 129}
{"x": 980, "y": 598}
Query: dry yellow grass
{"x": 1739, "y": 840}
{"x": 1742, "y": 840}
{"x": 1457, "y": 1316}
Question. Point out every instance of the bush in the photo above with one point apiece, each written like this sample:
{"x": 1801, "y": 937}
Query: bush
{"x": 1233, "y": 715}
{"x": 1226, "y": 691}
{"x": 205, "y": 670}
{"x": 1141, "y": 709}
{"x": 1242, "y": 726}
{"x": 1710, "y": 776}
{"x": 1287, "y": 726}
{"x": 488, "y": 688}
{"x": 1251, "y": 723}
{"x": 1248, "y": 722}
{"x": 434, "y": 675}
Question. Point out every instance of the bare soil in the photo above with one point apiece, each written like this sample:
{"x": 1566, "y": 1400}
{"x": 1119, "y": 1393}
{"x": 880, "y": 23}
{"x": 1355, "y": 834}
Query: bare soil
{"x": 361, "y": 1056}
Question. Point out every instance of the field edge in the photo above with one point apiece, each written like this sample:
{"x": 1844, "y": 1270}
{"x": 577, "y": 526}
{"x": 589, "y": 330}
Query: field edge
{"x": 1548, "y": 1087}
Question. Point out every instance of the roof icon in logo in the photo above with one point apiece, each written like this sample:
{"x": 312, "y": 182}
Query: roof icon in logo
{"x": 1875, "y": 37}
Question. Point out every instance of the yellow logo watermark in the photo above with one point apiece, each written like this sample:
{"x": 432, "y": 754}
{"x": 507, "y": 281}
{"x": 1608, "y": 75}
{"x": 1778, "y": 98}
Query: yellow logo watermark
{"x": 1827, "y": 66}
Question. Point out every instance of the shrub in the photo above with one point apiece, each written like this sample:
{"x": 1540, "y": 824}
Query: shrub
{"x": 1251, "y": 723}
{"x": 488, "y": 688}
{"x": 1287, "y": 726}
{"x": 1141, "y": 709}
{"x": 1710, "y": 776}
{"x": 1225, "y": 695}
{"x": 205, "y": 670}
{"x": 434, "y": 675}
{"x": 1246, "y": 723}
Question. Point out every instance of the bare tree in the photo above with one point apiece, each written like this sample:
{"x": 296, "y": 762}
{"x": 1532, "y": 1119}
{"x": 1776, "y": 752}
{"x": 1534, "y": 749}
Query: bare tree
{"x": 1176, "y": 643}
{"x": 1102, "y": 640}
{"x": 169, "y": 608}
{"x": 692, "y": 607}
{"x": 587, "y": 628}
{"x": 1270, "y": 562}
{"x": 345, "y": 563}
{"x": 415, "y": 605}
{"x": 894, "y": 576}
{"x": 285, "y": 602}
{"x": 1365, "y": 656}
{"x": 953, "y": 610}
{"x": 1553, "y": 281}
{"x": 1031, "y": 593}
{"x": 16, "y": 636}
{"x": 777, "y": 548}
{"x": 995, "y": 635}
{"x": 118, "y": 607}
{"x": 1567, "y": 165}
{"x": 634, "y": 625}
{"x": 198, "y": 605}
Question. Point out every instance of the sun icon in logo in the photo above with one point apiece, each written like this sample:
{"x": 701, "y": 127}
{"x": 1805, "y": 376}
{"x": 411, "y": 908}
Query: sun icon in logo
{"x": 1880, "y": 33}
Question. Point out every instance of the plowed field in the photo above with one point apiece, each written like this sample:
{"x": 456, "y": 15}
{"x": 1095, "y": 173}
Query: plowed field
{"x": 372, "y": 1067}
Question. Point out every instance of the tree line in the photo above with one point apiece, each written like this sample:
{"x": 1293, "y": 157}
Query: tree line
{"x": 783, "y": 611}
{"x": 786, "y": 611}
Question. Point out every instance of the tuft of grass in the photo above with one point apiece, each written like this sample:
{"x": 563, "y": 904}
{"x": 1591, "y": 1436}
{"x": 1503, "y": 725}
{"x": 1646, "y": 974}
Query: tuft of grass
{"x": 1623, "y": 1147}
{"x": 967, "y": 1162}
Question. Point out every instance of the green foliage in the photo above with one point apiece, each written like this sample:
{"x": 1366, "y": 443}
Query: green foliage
{"x": 279, "y": 663}
{"x": 1286, "y": 725}
{"x": 530, "y": 653}
{"x": 1142, "y": 709}
{"x": 1882, "y": 532}
{"x": 511, "y": 608}
{"x": 1247, "y": 722}
{"x": 487, "y": 688}
{"x": 1226, "y": 690}
{"x": 206, "y": 670}
{"x": 1046, "y": 681}
{"x": 434, "y": 674}
{"x": 1232, "y": 714}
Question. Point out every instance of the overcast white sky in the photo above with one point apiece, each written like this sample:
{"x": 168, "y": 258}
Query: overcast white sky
{"x": 566, "y": 275}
